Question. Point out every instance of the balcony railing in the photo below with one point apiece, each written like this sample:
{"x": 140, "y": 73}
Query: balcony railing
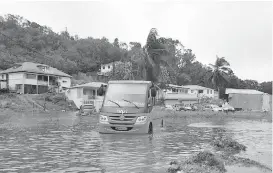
{"x": 88, "y": 102}
{"x": 42, "y": 82}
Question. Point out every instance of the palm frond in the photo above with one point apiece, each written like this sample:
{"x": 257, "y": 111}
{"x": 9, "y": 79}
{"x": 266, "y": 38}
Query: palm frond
{"x": 225, "y": 69}
{"x": 221, "y": 62}
{"x": 224, "y": 77}
{"x": 212, "y": 65}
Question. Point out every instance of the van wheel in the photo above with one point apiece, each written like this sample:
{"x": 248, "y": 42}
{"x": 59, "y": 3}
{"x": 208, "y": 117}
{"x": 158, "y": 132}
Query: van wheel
{"x": 150, "y": 130}
{"x": 162, "y": 123}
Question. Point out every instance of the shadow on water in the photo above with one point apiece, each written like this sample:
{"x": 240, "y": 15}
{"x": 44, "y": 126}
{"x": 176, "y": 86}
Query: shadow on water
{"x": 68, "y": 143}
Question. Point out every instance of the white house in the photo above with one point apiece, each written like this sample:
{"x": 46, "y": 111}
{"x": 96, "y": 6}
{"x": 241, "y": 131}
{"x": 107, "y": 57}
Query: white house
{"x": 200, "y": 91}
{"x": 176, "y": 89}
{"x": 106, "y": 67}
{"x": 86, "y": 92}
{"x": 33, "y": 78}
{"x": 175, "y": 94}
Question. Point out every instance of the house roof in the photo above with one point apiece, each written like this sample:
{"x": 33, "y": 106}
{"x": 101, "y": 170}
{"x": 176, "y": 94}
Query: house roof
{"x": 176, "y": 86}
{"x": 33, "y": 68}
{"x": 110, "y": 63}
{"x": 91, "y": 84}
{"x": 195, "y": 87}
{"x": 242, "y": 91}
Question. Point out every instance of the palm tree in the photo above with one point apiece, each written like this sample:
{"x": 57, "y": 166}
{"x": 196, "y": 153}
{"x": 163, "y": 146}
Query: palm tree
{"x": 150, "y": 58}
{"x": 157, "y": 54}
{"x": 219, "y": 72}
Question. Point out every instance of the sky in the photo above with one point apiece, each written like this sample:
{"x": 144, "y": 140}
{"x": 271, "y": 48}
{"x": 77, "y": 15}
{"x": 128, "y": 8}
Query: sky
{"x": 239, "y": 31}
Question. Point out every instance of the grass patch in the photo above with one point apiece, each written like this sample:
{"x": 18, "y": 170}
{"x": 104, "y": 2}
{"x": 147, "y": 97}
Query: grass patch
{"x": 228, "y": 145}
{"x": 203, "y": 162}
{"x": 235, "y": 160}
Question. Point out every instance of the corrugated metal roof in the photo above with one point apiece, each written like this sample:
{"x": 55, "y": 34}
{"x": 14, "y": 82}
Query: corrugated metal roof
{"x": 91, "y": 84}
{"x": 130, "y": 81}
{"x": 33, "y": 68}
{"x": 242, "y": 91}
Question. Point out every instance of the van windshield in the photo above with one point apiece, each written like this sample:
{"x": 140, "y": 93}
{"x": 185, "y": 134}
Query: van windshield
{"x": 123, "y": 94}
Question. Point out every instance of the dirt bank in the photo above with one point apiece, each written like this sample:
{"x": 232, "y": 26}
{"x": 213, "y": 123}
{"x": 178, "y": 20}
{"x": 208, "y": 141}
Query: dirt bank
{"x": 209, "y": 114}
{"x": 29, "y": 104}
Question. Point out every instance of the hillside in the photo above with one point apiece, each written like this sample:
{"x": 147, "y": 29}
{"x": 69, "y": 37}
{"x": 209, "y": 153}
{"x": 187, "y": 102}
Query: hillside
{"x": 23, "y": 40}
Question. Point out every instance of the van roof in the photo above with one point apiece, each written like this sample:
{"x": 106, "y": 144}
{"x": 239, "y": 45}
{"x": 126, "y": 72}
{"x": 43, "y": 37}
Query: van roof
{"x": 129, "y": 82}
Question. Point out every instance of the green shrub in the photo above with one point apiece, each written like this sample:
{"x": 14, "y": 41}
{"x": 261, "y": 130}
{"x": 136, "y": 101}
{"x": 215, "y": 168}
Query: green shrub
{"x": 203, "y": 162}
{"x": 228, "y": 145}
{"x": 206, "y": 158}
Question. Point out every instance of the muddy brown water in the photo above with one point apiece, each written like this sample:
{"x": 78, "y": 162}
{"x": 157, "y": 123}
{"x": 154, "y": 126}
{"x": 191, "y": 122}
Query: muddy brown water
{"x": 68, "y": 143}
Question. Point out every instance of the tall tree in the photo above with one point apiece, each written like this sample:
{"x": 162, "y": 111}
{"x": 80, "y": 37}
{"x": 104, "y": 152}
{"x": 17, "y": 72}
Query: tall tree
{"x": 220, "y": 72}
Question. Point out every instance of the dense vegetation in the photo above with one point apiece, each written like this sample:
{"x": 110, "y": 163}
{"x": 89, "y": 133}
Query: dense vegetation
{"x": 162, "y": 60}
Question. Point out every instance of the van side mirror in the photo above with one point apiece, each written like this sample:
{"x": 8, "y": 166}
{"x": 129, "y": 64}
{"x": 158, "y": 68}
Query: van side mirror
{"x": 153, "y": 92}
{"x": 100, "y": 91}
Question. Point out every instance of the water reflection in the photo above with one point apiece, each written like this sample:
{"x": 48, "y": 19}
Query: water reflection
{"x": 68, "y": 143}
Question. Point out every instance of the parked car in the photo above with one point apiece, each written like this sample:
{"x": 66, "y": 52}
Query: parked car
{"x": 216, "y": 108}
{"x": 177, "y": 107}
{"x": 226, "y": 107}
{"x": 187, "y": 108}
{"x": 213, "y": 108}
{"x": 168, "y": 107}
{"x": 194, "y": 107}
{"x": 207, "y": 108}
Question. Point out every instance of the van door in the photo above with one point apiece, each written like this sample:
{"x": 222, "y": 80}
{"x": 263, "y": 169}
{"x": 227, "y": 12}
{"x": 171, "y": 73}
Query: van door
{"x": 149, "y": 102}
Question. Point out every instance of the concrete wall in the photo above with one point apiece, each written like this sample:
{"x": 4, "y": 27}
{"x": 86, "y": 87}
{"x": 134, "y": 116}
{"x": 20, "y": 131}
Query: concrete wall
{"x": 15, "y": 78}
{"x": 72, "y": 94}
{"x": 3, "y": 85}
{"x": 30, "y": 81}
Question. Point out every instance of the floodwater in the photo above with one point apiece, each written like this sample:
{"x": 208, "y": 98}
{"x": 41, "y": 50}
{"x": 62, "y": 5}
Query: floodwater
{"x": 68, "y": 143}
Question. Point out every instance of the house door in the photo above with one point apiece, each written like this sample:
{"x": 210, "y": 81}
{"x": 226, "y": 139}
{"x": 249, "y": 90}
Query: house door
{"x": 79, "y": 92}
{"x": 19, "y": 88}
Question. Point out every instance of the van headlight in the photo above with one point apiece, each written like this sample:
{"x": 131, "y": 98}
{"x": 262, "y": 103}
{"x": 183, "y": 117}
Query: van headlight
{"x": 141, "y": 120}
{"x": 103, "y": 119}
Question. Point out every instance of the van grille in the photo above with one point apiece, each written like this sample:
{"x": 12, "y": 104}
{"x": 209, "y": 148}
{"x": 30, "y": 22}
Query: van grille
{"x": 128, "y": 119}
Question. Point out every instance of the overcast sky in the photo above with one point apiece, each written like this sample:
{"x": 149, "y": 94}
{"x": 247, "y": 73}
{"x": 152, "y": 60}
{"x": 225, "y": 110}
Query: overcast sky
{"x": 239, "y": 31}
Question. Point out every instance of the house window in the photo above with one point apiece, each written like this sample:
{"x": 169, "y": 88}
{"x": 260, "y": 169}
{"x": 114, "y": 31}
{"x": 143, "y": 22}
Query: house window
{"x": 64, "y": 81}
{"x": 43, "y": 68}
{"x": 40, "y": 77}
{"x": 2, "y": 76}
{"x": 45, "y": 78}
{"x": 191, "y": 91}
{"x": 211, "y": 91}
{"x": 109, "y": 66}
{"x": 31, "y": 76}
{"x": 207, "y": 91}
{"x": 103, "y": 67}
{"x": 200, "y": 91}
